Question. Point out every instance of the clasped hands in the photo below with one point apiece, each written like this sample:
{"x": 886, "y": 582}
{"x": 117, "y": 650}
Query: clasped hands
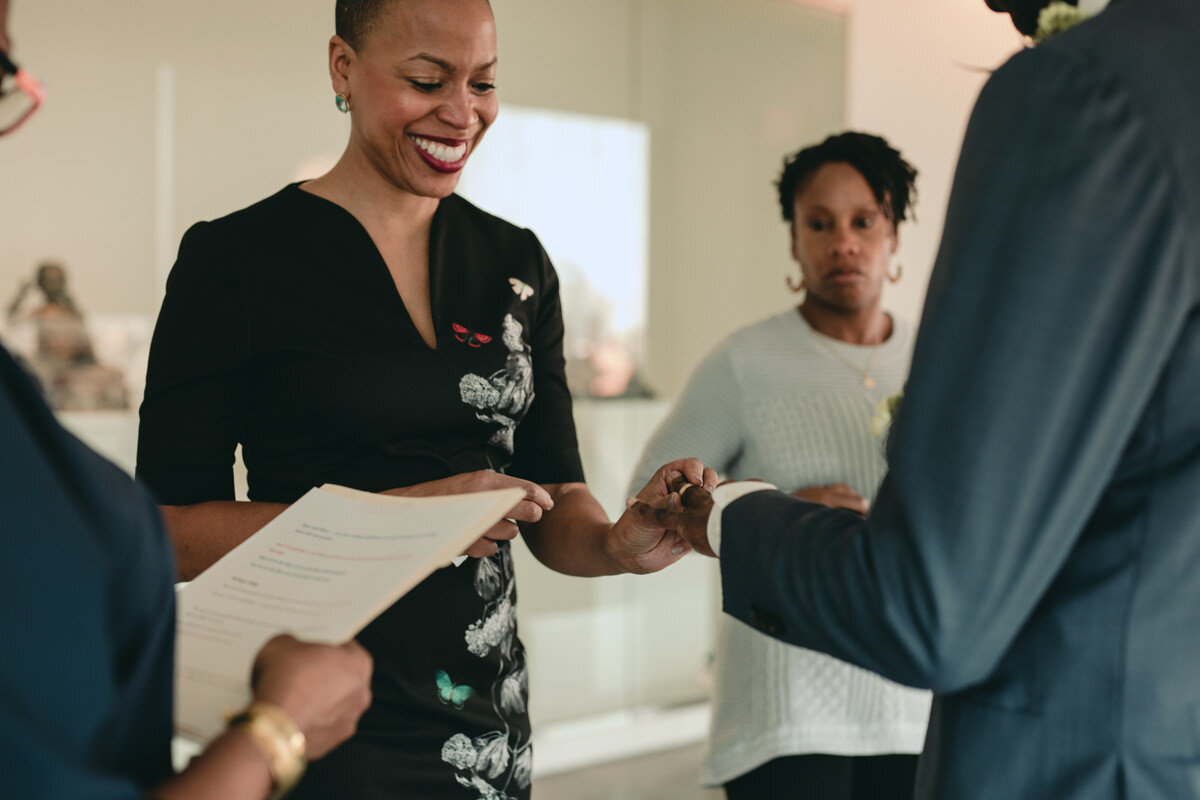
{"x": 666, "y": 520}
{"x": 628, "y": 545}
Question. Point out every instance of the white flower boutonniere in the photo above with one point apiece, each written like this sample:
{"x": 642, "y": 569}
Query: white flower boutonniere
{"x": 885, "y": 412}
{"x": 1059, "y": 16}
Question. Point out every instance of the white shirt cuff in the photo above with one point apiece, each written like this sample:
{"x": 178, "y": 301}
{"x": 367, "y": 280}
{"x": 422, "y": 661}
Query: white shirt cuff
{"x": 722, "y": 496}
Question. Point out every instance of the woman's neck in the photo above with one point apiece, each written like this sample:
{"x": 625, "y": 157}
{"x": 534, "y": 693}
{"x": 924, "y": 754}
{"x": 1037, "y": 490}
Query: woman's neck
{"x": 865, "y": 327}
{"x": 384, "y": 209}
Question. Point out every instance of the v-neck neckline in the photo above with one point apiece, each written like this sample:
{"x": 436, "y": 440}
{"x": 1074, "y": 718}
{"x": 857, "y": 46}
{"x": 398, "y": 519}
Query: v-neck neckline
{"x": 381, "y": 264}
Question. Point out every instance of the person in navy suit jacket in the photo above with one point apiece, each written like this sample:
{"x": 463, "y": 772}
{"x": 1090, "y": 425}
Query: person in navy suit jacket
{"x": 87, "y": 620}
{"x": 1034, "y": 554}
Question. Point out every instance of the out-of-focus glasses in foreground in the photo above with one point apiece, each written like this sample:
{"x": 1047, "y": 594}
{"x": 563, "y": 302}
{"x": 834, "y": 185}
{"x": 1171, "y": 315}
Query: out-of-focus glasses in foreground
{"x": 20, "y": 95}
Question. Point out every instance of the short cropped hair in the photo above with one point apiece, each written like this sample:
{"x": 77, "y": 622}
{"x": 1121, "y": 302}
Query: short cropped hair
{"x": 891, "y": 178}
{"x": 354, "y": 19}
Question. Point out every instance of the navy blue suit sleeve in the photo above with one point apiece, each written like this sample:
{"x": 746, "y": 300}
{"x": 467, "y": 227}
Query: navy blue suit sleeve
{"x": 86, "y": 616}
{"x": 1059, "y": 290}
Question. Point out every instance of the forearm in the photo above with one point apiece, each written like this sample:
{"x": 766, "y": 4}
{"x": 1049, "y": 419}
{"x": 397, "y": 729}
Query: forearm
{"x": 230, "y": 768}
{"x": 204, "y": 532}
{"x": 572, "y": 537}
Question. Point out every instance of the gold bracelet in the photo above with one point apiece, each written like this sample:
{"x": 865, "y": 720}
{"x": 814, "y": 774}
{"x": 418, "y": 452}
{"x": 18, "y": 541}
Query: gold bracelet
{"x": 278, "y": 740}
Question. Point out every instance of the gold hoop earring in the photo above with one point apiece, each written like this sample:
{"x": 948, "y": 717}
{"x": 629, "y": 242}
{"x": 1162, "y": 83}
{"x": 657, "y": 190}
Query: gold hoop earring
{"x": 895, "y": 278}
{"x": 796, "y": 287}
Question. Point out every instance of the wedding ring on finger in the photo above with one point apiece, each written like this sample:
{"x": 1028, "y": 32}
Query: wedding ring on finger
{"x": 683, "y": 490}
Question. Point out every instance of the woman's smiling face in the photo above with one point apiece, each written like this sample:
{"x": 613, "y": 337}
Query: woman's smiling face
{"x": 421, "y": 88}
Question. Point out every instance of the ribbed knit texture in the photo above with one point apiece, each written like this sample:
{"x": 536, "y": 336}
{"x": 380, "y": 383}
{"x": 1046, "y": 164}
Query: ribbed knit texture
{"x": 772, "y": 401}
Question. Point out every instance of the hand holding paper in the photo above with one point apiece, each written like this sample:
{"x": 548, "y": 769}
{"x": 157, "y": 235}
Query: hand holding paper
{"x": 529, "y": 509}
{"x": 324, "y": 689}
{"x": 321, "y": 570}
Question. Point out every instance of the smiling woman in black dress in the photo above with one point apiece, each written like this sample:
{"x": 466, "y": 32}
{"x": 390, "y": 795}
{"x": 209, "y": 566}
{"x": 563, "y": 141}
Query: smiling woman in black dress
{"x": 372, "y": 329}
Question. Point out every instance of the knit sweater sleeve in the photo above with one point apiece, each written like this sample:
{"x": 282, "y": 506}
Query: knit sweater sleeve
{"x": 706, "y": 422}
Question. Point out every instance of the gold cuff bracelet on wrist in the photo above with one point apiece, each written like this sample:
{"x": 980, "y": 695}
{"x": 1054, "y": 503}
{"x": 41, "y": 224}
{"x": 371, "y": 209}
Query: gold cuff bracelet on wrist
{"x": 280, "y": 742}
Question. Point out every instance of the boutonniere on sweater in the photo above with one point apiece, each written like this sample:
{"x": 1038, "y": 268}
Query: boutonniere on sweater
{"x": 1059, "y": 16}
{"x": 885, "y": 412}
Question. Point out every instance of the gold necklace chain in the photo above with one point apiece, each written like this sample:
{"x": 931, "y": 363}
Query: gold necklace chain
{"x": 867, "y": 381}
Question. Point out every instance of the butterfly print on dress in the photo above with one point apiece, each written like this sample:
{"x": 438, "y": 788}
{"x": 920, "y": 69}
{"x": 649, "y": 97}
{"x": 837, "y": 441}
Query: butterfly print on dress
{"x": 468, "y": 336}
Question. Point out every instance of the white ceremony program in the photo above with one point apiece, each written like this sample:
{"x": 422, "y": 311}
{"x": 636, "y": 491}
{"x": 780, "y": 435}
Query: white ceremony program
{"x": 321, "y": 570}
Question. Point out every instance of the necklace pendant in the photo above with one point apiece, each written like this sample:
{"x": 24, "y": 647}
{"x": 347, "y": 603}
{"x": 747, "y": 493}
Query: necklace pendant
{"x": 868, "y": 382}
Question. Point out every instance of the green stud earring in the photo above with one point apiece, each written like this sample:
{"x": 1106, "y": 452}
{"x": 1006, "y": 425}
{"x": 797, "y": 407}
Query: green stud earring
{"x": 343, "y": 105}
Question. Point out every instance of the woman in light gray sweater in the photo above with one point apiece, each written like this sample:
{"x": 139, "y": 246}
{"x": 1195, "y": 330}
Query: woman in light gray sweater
{"x": 789, "y": 400}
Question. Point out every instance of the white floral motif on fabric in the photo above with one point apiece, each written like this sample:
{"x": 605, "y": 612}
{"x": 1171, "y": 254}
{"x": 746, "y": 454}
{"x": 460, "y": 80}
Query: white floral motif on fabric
{"x": 459, "y": 752}
{"x": 495, "y": 630}
{"x": 504, "y": 396}
{"x": 501, "y": 761}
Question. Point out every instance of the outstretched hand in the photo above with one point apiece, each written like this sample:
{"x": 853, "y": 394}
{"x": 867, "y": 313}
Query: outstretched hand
{"x": 537, "y": 500}
{"x": 682, "y": 516}
{"x": 639, "y": 543}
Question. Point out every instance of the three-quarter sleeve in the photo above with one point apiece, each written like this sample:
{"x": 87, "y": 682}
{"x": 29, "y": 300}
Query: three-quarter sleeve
{"x": 192, "y": 413}
{"x": 545, "y": 448}
{"x": 706, "y": 422}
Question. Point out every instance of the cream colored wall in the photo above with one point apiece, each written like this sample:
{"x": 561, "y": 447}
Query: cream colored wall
{"x": 250, "y": 102}
{"x": 914, "y": 70}
{"x": 739, "y": 84}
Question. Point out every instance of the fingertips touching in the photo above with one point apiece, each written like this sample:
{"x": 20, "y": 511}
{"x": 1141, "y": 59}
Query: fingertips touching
{"x": 503, "y": 530}
{"x": 526, "y": 511}
{"x": 537, "y": 494}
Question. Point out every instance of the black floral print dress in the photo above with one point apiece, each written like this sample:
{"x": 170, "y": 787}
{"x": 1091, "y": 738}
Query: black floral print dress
{"x": 282, "y": 331}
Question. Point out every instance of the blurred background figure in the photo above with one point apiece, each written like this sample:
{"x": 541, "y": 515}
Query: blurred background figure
{"x": 63, "y": 359}
{"x": 789, "y": 400}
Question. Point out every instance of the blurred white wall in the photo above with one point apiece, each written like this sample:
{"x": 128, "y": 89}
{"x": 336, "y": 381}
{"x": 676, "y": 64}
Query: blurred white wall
{"x": 158, "y": 114}
{"x": 914, "y": 70}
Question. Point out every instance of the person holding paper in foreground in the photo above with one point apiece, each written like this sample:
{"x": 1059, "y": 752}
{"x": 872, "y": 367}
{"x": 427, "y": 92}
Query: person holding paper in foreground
{"x": 1033, "y": 555}
{"x": 87, "y": 622}
{"x": 374, "y": 330}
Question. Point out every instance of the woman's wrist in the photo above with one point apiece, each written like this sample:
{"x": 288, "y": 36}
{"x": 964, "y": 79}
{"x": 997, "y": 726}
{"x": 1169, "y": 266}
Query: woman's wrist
{"x": 615, "y": 551}
{"x": 278, "y": 740}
